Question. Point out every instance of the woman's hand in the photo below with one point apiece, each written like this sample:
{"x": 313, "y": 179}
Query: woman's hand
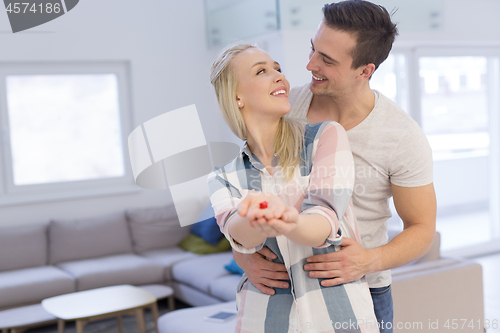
{"x": 250, "y": 206}
{"x": 288, "y": 222}
{"x": 277, "y": 219}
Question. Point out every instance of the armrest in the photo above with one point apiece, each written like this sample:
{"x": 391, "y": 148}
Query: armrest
{"x": 438, "y": 290}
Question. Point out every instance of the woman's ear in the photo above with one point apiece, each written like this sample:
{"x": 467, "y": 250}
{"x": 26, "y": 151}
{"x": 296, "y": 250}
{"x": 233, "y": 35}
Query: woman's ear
{"x": 239, "y": 102}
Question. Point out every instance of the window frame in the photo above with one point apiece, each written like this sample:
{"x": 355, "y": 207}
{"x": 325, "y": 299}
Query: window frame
{"x": 11, "y": 194}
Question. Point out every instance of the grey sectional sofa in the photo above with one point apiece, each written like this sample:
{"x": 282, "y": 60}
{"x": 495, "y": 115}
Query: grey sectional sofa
{"x": 140, "y": 247}
{"x": 134, "y": 247}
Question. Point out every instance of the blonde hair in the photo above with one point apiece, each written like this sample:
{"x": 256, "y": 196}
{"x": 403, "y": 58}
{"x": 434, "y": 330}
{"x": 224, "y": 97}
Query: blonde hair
{"x": 290, "y": 136}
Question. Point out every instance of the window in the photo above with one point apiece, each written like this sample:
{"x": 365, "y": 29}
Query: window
{"x": 65, "y": 129}
{"x": 454, "y": 105}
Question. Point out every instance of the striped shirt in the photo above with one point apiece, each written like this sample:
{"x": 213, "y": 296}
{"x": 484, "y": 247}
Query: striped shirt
{"x": 322, "y": 184}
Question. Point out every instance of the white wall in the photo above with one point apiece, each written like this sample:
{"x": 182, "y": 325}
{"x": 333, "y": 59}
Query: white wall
{"x": 164, "y": 41}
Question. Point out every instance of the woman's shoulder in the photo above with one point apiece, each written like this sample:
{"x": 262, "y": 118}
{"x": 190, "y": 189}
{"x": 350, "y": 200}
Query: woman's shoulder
{"x": 313, "y": 131}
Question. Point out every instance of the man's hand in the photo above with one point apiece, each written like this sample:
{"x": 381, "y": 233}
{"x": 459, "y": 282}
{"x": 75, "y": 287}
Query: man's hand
{"x": 264, "y": 274}
{"x": 349, "y": 264}
{"x": 417, "y": 208}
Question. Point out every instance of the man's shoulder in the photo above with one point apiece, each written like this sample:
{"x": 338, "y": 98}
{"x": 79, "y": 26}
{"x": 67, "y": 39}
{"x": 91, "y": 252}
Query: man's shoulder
{"x": 391, "y": 116}
{"x": 296, "y": 92}
{"x": 387, "y": 128}
{"x": 300, "y": 99}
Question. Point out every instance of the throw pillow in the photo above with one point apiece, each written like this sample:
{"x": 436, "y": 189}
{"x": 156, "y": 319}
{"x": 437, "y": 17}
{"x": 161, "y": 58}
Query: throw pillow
{"x": 208, "y": 229}
{"x": 88, "y": 238}
{"x": 234, "y": 268}
{"x": 197, "y": 245}
{"x": 155, "y": 228}
{"x": 23, "y": 246}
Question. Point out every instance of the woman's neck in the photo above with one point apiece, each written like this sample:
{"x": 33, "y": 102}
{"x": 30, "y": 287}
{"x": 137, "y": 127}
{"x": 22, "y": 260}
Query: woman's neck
{"x": 260, "y": 139}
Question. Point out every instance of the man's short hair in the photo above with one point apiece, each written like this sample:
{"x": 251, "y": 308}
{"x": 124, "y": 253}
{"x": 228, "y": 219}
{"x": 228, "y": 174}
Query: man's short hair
{"x": 369, "y": 24}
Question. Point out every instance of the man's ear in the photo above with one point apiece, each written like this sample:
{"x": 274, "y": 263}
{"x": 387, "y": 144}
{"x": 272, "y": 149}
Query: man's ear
{"x": 366, "y": 71}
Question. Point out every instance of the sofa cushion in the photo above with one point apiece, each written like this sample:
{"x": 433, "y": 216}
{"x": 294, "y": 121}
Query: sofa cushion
{"x": 224, "y": 287}
{"x": 192, "y": 319}
{"x": 199, "y": 272}
{"x": 88, "y": 238}
{"x": 30, "y": 285}
{"x": 112, "y": 270}
{"x": 167, "y": 258}
{"x": 155, "y": 228}
{"x": 197, "y": 245}
{"x": 23, "y": 246}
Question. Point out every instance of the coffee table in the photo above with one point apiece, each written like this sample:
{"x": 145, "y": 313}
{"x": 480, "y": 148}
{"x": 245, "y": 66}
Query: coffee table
{"x": 101, "y": 303}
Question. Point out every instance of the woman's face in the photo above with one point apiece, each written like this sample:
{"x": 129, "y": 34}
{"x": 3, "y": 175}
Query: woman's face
{"x": 262, "y": 88}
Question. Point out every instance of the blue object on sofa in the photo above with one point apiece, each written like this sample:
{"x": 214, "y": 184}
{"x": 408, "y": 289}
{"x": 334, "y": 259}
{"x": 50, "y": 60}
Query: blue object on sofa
{"x": 234, "y": 268}
{"x": 207, "y": 228}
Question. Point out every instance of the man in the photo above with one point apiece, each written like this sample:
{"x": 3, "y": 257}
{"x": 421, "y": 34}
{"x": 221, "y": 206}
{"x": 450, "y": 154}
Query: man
{"x": 391, "y": 154}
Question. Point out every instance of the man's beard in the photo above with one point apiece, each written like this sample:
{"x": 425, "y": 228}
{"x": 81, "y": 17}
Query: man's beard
{"x": 324, "y": 91}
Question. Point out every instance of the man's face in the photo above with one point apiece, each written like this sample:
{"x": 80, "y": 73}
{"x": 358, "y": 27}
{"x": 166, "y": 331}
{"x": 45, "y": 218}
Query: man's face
{"x": 330, "y": 62}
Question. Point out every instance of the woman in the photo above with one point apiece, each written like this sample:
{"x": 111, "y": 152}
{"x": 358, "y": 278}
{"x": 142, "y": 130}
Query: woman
{"x": 283, "y": 168}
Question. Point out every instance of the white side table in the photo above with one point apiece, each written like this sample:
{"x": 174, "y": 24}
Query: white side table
{"x": 95, "y": 304}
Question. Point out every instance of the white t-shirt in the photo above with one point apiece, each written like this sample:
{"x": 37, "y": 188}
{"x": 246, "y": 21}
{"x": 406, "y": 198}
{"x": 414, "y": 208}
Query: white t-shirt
{"x": 388, "y": 148}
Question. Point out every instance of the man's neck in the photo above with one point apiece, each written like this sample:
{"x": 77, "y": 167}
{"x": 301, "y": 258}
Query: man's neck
{"x": 349, "y": 111}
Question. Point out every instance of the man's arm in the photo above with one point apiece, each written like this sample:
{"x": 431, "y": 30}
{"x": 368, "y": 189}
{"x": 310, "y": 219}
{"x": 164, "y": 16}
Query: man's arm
{"x": 417, "y": 208}
{"x": 264, "y": 274}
